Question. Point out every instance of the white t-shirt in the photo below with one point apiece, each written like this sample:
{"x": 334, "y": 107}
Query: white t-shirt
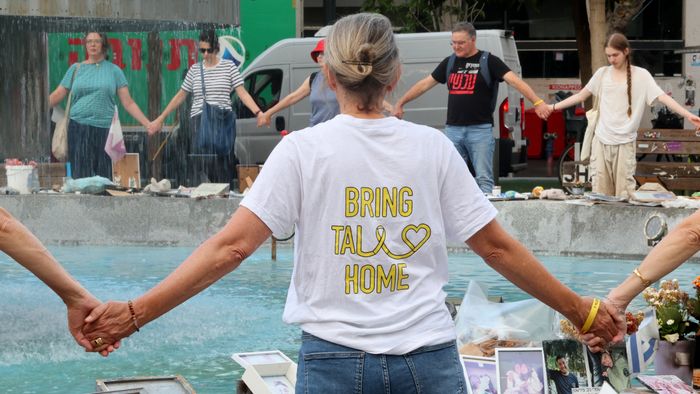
{"x": 373, "y": 202}
{"x": 614, "y": 126}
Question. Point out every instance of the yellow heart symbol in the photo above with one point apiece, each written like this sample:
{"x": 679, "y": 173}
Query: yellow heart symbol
{"x": 416, "y": 229}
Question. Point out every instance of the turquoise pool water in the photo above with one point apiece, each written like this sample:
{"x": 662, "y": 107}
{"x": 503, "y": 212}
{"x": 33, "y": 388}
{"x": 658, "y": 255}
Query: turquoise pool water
{"x": 240, "y": 313}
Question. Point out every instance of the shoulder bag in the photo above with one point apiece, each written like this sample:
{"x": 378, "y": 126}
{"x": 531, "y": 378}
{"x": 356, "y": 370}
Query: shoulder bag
{"x": 592, "y": 116}
{"x": 59, "y": 142}
{"x": 217, "y": 125}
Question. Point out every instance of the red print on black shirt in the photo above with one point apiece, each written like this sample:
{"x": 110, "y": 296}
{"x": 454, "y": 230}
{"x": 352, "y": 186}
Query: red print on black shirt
{"x": 462, "y": 83}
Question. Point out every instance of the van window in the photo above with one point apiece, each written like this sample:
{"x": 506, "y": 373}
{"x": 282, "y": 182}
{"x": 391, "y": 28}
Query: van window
{"x": 264, "y": 86}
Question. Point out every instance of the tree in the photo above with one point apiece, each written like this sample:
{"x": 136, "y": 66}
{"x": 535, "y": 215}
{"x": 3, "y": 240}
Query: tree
{"x": 603, "y": 22}
{"x": 598, "y": 30}
{"x": 436, "y": 15}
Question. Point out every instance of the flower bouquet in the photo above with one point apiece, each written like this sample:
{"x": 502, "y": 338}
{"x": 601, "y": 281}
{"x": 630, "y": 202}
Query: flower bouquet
{"x": 676, "y": 312}
{"x": 677, "y": 319}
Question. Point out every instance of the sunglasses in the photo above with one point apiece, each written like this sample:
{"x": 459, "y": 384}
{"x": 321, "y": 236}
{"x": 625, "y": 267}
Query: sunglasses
{"x": 205, "y": 50}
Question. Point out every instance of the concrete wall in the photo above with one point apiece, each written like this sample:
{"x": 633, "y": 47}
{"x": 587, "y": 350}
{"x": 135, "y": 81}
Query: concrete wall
{"x": 95, "y": 220}
{"x": 215, "y": 11}
{"x": 545, "y": 227}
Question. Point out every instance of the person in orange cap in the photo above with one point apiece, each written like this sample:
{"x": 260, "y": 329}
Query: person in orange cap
{"x": 324, "y": 105}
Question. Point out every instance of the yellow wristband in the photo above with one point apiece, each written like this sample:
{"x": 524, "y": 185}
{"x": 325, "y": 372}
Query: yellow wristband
{"x": 538, "y": 102}
{"x": 591, "y": 316}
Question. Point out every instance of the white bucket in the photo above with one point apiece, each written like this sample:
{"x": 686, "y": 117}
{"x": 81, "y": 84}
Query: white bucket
{"x": 24, "y": 179}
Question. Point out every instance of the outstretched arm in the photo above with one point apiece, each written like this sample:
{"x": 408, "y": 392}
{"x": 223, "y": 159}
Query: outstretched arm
{"x": 291, "y": 99}
{"x": 677, "y": 247}
{"x": 248, "y": 101}
{"x": 20, "y": 244}
{"x": 512, "y": 260}
{"x": 131, "y": 107}
{"x": 574, "y": 99}
{"x": 175, "y": 102}
{"x": 677, "y": 108}
{"x": 413, "y": 93}
{"x": 216, "y": 257}
{"x": 57, "y": 95}
{"x": 542, "y": 109}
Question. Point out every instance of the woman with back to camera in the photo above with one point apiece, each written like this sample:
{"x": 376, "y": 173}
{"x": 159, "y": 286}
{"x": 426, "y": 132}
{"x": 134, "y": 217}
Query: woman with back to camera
{"x": 626, "y": 90}
{"x": 324, "y": 104}
{"x": 221, "y": 78}
{"x": 96, "y": 86}
{"x": 374, "y": 200}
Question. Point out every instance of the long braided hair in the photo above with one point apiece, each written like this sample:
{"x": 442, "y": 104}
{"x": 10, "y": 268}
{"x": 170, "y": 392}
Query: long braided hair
{"x": 619, "y": 42}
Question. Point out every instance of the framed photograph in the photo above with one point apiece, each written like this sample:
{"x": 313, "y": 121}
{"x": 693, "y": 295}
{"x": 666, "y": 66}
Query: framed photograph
{"x": 480, "y": 373}
{"x": 611, "y": 367}
{"x": 521, "y": 371}
{"x": 666, "y": 384}
{"x": 566, "y": 365}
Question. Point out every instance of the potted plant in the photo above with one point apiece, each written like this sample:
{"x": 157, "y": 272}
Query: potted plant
{"x": 677, "y": 319}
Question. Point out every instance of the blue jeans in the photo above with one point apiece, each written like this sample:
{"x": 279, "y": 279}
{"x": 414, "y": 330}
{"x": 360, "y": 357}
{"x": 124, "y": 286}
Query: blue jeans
{"x": 475, "y": 143}
{"x": 325, "y": 367}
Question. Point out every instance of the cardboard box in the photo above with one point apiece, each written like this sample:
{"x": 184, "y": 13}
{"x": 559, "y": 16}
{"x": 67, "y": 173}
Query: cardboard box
{"x": 246, "y": 172}
{"x": 125, "y": 169}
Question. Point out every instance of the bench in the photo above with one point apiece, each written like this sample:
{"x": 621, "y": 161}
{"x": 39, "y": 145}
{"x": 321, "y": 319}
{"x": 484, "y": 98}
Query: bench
{"x": 677, "y": 147}
{"x": 664, "y": 156}
{"x": 50, "y": 175}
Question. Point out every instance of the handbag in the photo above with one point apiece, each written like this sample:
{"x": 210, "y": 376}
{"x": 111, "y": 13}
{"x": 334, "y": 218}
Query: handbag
{"x": 217, "y": 125}
{"x": 59, "y": 142}
{"x": 592, "y": 116}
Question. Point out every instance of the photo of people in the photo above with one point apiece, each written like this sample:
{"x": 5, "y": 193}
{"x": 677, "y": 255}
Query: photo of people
{"x": 480, "y": 373}
{"x": 666, "y": 384}
{"x": 520, "y": 371}
{"x": 566, "y": 365}
{"x": 610, "y": 366}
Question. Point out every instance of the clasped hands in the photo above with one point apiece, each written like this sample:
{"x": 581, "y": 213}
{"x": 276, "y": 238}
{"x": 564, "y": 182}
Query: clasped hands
{"x": 607, "y": 325}
{"x": 99, "y": 327}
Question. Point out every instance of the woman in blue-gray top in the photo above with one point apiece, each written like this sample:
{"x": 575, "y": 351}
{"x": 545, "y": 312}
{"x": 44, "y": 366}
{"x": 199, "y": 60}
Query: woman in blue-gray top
{"x": 324, "y": 105}
{"x": 96, "y": 86}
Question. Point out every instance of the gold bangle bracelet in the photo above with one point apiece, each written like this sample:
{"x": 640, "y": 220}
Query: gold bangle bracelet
{"x": 538, "y": 102}
{"x": 645, "y": 283}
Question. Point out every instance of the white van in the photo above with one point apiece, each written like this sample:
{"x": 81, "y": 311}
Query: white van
{"x": 284, "y": 66}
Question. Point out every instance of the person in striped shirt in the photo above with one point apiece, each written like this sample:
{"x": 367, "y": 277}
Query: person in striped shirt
{"x": 222, "y": 78}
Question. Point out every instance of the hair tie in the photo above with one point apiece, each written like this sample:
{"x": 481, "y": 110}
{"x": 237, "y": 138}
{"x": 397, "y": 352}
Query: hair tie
{"x": 356, "y": 63}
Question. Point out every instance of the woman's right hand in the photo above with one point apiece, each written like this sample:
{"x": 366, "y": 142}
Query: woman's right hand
{"x": 155, "y": 126}
{"x": 264, "y": 120}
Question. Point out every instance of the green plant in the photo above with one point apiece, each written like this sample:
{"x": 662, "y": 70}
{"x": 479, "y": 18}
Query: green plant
{"x": 676, "y": 312}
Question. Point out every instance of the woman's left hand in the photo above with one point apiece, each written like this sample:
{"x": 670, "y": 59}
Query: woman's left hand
{"x": 154, "y": 127}
{"x": 263, "y": 119}
{"x": 108, "y": 323}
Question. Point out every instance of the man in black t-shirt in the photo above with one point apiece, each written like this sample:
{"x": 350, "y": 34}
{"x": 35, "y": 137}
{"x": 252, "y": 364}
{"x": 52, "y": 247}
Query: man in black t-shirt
{"x": 469, "y": 104}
